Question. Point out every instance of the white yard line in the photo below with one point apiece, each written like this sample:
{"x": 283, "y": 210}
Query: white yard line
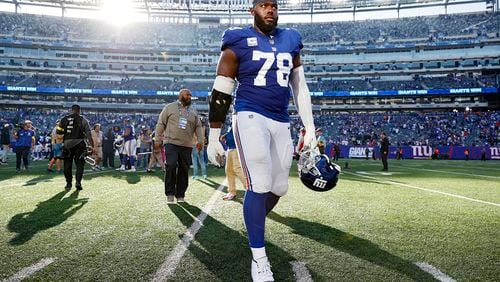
{"x": 435, "y": 272}
{"x": 424, "y": 189}
{"x": 30, "y": 270}
{"x": 170, "y": 264}
{"x": 300, "y": 272}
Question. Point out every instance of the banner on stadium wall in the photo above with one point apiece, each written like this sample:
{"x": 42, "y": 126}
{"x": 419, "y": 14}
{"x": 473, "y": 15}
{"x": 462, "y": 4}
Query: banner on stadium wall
{"x": 484, "y": 90}
{"x": 419, "y": 152}
{"x": 479, "y": 90}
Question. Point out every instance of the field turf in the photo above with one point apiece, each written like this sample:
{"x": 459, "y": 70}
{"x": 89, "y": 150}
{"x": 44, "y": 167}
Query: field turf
{"x": 374, "y": 226}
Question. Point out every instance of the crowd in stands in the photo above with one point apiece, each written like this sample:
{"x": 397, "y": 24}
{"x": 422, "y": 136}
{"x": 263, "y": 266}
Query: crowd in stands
{"x": 411, "y": 128}
{"x": 430, "y": 28}
{"x": 69, "y": 30}
{"x": 354, "y": 129}
{"x": 64, "y": 29}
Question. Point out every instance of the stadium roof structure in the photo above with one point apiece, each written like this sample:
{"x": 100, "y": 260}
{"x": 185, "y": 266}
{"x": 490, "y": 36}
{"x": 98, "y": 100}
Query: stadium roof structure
{"x": 228, "y": 8}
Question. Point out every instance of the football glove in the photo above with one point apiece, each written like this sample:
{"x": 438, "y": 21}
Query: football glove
{"x": 310, "y": 139}
{"x": 214, "y": 148}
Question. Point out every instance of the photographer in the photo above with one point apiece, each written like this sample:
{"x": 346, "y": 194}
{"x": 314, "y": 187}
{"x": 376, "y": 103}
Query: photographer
{"x": 5, "y": 142}
{"x": 76, "y": 131}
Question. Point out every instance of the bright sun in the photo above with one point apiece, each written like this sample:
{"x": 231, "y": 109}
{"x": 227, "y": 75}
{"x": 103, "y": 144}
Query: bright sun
{"x": 117, "y": 12}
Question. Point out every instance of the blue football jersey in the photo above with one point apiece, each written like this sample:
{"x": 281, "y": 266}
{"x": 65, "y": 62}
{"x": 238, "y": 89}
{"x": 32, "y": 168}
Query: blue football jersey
{"x": 265, "y": 63}
{"x": 132, "y": 133}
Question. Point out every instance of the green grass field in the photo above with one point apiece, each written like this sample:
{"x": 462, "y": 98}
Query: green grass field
{"x": 374, "y": 226}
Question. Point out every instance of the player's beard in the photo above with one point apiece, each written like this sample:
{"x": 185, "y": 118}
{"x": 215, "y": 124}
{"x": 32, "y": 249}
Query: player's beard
{"x": 265, "y": 27}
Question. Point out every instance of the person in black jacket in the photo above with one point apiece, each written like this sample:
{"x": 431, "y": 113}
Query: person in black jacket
{"x": 384, "y": 150}
{"x": 5, "y": 142}
{"x": 108, "y": 149}
{"x": 76, "y": 131}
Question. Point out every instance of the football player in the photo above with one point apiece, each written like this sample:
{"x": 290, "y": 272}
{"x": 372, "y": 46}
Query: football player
{"x": 265, "y": 60}
{"x": 129, "y": 147}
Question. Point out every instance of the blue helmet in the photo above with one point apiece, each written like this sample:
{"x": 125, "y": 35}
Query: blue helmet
{"x": 316, "y": 170}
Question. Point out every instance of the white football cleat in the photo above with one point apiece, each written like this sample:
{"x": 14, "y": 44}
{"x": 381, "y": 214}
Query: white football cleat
{"x": 261, "y": 270}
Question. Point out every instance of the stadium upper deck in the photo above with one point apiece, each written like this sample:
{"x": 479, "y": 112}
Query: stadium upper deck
{"x": 86, "y": 32}
{"x": 376, "y": 59}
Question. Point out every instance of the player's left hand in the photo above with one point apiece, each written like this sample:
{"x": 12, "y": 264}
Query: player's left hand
{"x": 310, "y": 138}
{"x": 214, "y": 147}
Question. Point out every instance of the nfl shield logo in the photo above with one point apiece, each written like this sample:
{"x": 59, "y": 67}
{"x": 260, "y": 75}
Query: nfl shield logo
{"x": 252, "y": 41}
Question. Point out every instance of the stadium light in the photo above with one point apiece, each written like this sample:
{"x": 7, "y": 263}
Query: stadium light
{"x": 117, "y": 12}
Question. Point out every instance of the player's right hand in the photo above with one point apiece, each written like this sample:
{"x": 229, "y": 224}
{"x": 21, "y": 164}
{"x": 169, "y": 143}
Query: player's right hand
{"x": 214, "y": 147}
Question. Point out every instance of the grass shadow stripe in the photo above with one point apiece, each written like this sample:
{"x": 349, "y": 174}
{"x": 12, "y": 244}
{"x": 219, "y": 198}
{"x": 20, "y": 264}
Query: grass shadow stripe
{"x": 170, "y": 264}
{"x": 30, "y": 270}
{"x": 435, "y": 272}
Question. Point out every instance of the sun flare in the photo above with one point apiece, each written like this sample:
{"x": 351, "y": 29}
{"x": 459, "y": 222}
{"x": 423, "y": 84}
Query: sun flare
{"x": 117, "y": 12}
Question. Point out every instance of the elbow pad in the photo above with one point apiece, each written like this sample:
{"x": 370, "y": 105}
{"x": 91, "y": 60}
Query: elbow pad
{"x": 220, "y": 99}
{"x": 219, "y": 106}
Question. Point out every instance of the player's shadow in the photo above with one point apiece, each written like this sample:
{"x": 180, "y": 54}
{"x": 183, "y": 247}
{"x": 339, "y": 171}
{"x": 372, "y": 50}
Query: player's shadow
{"x": 225, "y": 252}
{"x": 47, "y": 214}
{"x": 353, "y": 245}
{"x": 40, "y": 179}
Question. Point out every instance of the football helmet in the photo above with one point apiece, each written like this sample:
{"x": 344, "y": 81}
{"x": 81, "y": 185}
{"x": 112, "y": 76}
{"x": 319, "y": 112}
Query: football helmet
{"x": 87, "y": 156}
{"x": 316, "y": 170}
{"x": 118, "y": 142}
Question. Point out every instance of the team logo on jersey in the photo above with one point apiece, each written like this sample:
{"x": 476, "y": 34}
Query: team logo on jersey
{"x": 252, "y": 41}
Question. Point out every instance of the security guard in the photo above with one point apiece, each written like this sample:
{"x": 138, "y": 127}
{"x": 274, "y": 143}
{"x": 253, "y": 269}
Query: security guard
{"x": 76, "y": 131}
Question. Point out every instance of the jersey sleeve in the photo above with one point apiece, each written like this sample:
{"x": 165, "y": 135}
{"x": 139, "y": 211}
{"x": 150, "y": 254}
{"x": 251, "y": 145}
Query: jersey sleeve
{"x": 232, "y": 38}
{"x": 295, "y": 35}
